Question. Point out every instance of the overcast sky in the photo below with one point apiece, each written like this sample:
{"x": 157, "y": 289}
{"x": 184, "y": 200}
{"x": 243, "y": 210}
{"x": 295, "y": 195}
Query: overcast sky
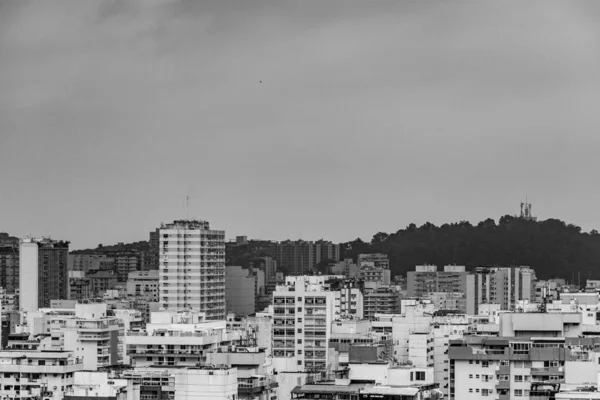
{"x": 370, "y": 115}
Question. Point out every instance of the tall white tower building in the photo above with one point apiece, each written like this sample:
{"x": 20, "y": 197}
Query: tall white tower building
{"x": 192, "y": 268}
{"x": 28, "y": 275}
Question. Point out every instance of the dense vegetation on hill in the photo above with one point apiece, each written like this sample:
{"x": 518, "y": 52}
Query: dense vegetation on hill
{"x": 552, "y": 247}
{"x": 142, "y": 245}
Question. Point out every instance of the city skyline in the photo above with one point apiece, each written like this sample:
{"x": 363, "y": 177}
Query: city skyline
{"x": 351, "y": 120}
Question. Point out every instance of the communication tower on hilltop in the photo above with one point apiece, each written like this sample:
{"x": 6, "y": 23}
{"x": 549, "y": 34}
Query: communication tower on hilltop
{"x": 526, "y": 211}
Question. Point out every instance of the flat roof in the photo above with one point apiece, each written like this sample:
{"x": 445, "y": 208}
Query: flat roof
{"x": 391, "y": 390}
{"x": 329, "y": 388}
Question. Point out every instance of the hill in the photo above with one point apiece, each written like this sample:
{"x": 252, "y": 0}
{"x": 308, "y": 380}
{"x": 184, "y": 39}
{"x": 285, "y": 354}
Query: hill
{"x": 552, "y": 247}
{"x": 142, "y": 245}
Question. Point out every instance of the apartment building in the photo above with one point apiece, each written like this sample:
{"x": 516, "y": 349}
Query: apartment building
{"x": 42, "y": 272}
{"x": 9, "y": 267}
{"x": 144, "y": 284}
{"x": 268, "y": 265}
{"x": 177, "y": 339}
{"x": 242, "y": 288}
{"x": 345, "y": 267}
{"x": 201, "y": 383}
{"x": 87, "y": 331}
{"x": 9, "y": 301}
{"x": 154, "y": 384}
{"x": 89, "y": 262}
{"x": 368, "y": 376}
{"x": 255, "y": 375}
{"x": 374, "y": 268}
{"x": 101, "y": 386}
{"x": 376, "y": 260}
{"x": 426, "y": 279}
{"x": 101, "y": 281}
{"x": 504, "y": 368}
{"x": 303, "y": 310}
{"x": 346, "y": 333}
{"x": 33, "y": 374}
{"x": 152, "y": 256}
{"x": 79, "y": 286}
{"x": 382, "y": 300}
{"x": 504, "y": 286}
{"x": 301, "y": 257}
{"x": 192, "y": 268}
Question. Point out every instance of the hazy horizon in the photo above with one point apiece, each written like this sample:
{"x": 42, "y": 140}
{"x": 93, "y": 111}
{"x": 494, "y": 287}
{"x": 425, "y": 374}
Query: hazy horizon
{"x": 294, "y": 120}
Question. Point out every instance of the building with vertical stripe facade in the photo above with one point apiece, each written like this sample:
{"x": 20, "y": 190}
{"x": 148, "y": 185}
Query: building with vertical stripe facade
{"x": 192, "y": 268}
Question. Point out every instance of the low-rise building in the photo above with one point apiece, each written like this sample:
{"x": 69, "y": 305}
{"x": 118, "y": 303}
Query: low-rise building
{"x": 99, "y": 385}
{"x": 198, "y": 383}
{"x": 177, "y": 339}
{"x": 255, "y": 375}
{"x": 33, "y": 374}
{"x": 144, "y": 284}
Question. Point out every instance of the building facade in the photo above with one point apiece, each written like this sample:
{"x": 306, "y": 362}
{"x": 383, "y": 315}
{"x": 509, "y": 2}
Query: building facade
{"x": 505, "y": 286}
{"x": 192, "y": 268}
{"x": 303, "y": 311}
{"x": 9, "y": 267}
{"x": 301, "y": 257}
{"x": 43, "y": 272}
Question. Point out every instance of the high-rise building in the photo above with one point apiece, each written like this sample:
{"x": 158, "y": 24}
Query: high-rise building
{"x": 242, "y": 289}
{"x": 151, "y": 259}
{"x": 43, "y": 272}
{"x": 9, "y": 267}
{"x": 303, "y": 311}
{"x": 192, "y": 268}
{"x": 504, "y": 286}
{"x": 301, "y": 257}
{"x": 426, "y": 279}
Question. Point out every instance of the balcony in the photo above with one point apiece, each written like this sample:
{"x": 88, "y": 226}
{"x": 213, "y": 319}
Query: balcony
{"x": 41, "y": 369}
{"x": 549, "y": 371}
{"x": 503, "y": 385}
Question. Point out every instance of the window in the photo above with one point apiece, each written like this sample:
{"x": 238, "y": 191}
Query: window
{"x": 470, "y": 376}
{"x": 299, "y": 330}
{"x": 420, "y": 375}
{"x": 526, "y": 378}
{"x": 412, "y": 376}
{"x": 485, "y": 392}
{"x": 299, "y": 309}
{"x": 504, "y": 363}
{"x": 470, "y": 390}
{"x": 299, "y": 362}
{"x": 299, "y": 351}
{"x": 503, "y": 377}
{"x": 299, "y": 341}
{"x": 485, "y": 364}
{"x": 518, "y": 378}
{"x": 470, "y": 361}
{"x": 477, "y": 376}
{"x": 519, "y": 392}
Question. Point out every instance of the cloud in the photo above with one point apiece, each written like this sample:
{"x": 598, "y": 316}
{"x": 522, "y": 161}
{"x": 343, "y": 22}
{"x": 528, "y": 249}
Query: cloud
{"x": 146, "y": 98}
